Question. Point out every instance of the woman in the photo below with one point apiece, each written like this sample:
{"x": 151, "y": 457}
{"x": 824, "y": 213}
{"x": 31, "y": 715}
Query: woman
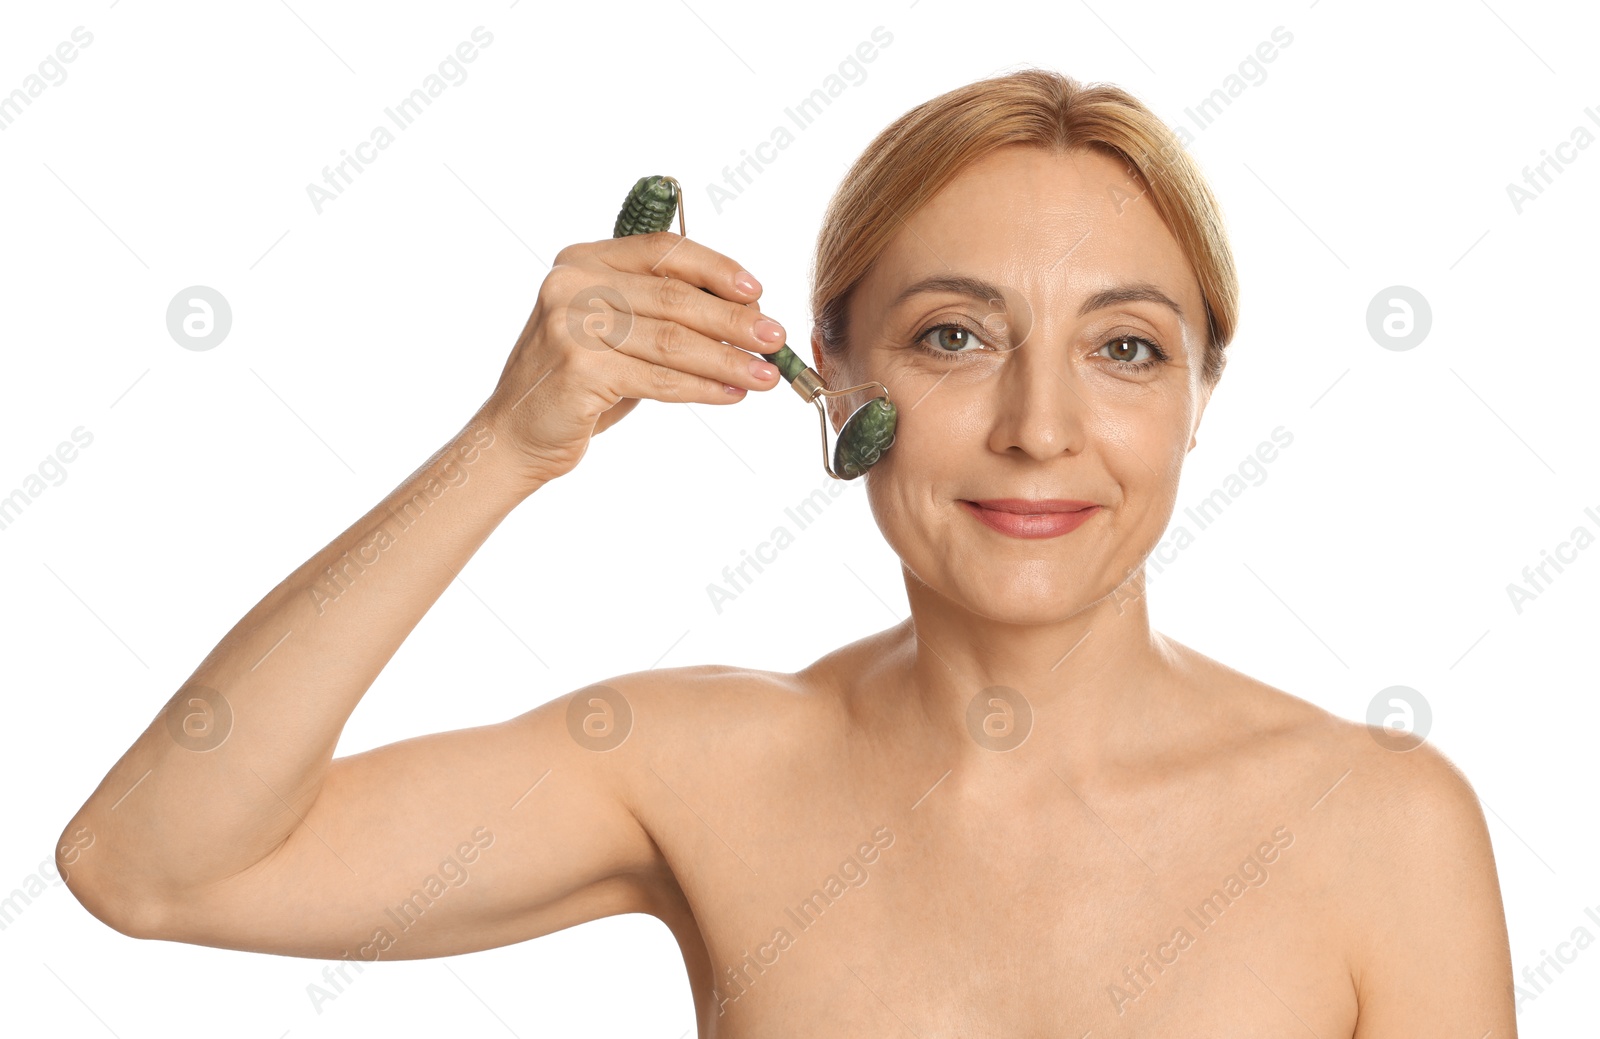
{"x": 1019, "y": 812}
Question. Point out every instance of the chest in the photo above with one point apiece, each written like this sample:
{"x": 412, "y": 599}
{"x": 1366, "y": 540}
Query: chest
{"x": 839, "y": 905}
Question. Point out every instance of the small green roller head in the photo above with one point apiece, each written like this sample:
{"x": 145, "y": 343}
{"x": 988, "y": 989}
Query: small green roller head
{"x": 866, "y": 435}
{"x": 649, "y": 207}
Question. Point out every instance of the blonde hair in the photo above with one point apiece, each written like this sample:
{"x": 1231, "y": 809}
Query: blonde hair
{"x": 914, "y": 157}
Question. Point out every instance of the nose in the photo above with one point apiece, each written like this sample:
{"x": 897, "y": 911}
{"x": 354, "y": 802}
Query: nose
{"x": 1040, "y": 408}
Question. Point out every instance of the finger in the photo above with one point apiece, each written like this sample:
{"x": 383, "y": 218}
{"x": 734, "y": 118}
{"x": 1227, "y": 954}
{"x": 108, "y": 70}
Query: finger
{"x": 667, "y": 342}
{"x": 671, "y": 254}
{"x": 739, "y": 324}
{"x": 630, "y": 376}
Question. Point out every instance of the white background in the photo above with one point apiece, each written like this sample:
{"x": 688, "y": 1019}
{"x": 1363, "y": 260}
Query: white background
{"x": 1376, "y": 152}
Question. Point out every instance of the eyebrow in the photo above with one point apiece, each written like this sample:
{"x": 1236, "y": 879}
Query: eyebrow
{"x": 979, "y": 289}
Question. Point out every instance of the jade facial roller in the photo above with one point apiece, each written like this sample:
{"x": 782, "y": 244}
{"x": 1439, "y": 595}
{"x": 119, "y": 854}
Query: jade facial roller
{"x": 869, "y": 431}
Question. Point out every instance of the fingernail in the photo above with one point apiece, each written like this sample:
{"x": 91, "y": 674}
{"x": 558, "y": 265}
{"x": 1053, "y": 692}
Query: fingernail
{"x": 769, "y": 330}
{"x": 747, "y": 281}
{"x": 733, "y": 390}
{"x": 763, "y": 370}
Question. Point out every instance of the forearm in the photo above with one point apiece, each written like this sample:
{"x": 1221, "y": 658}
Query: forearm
{"x": 224, "y": 772}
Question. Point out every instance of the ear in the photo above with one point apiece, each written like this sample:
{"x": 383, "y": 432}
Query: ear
{"x": 819, "y": 364}
{"x": 817, "y": 361}
{"x": 1199, "y": 412}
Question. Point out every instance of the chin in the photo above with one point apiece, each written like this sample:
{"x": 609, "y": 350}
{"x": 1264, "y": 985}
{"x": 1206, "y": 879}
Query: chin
{"x": 1033, "y": 593}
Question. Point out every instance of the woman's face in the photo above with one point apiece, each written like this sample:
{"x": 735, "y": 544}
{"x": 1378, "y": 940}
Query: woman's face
{"x": 1050, "y": 383}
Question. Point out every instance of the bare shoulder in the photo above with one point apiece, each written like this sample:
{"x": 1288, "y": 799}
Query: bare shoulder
{"x": 1402, "y": 779}
{"x": 1388, "y": 801}
{"x": 1414, "y": 819}
{"x": 753, "y": 704}
{"x": 721, "y": 710}
{"x": 1397, "y": 850}
{"x": 714, "y": 723}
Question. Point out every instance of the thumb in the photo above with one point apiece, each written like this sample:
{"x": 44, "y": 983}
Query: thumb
{"x": 614, "y": 414}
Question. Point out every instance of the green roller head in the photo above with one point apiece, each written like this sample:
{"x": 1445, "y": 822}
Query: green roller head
{"x": 650, "y": 206}
{"x": 866, "y": 435}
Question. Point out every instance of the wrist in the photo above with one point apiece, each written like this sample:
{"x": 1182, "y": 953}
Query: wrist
{"x": 486, "y": 446}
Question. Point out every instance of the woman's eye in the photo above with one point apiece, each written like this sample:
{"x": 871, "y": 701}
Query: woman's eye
{"x": 1124, "y": 349}
{"x": 948, "y": 339}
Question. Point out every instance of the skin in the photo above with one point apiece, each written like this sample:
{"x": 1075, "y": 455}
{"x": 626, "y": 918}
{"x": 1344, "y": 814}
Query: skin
{"x": 1021, "y": 869}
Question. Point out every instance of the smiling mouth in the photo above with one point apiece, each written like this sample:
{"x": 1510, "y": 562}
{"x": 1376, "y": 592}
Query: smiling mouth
{"x": 1031, "y": 518}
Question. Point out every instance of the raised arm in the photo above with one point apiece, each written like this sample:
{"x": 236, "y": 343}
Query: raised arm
{"x": 228, "y": 822}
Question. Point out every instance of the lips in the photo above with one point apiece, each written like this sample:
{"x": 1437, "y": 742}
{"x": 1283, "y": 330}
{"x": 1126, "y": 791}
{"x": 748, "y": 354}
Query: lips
{"x": 1031, "y": 518}
{"x": 1033, "y": 506}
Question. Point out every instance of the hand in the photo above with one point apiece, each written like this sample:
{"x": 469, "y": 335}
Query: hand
{"x": 618, "y": 320}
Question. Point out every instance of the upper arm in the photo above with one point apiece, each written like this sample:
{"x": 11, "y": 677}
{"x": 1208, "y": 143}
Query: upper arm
{"x": 442, "y": 844}
{"x": 1432, "y": 957}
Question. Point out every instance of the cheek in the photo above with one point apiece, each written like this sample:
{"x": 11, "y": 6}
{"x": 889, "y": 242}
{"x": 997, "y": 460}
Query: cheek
{"x": 1143, "y": 450}
{"x": 1150, "y": 441}
{"x": 940, "y": 449}
{"x": 1151, "y": 419}
{"x": 920, "y": 471}
{"x": 942, "y": 429}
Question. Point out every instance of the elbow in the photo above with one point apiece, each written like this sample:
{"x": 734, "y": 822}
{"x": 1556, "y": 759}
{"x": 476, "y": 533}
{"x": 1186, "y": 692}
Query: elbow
{"x": 93, "y": 882}
{"x": 127, "y": 914}
{"x": 131, "y": 919}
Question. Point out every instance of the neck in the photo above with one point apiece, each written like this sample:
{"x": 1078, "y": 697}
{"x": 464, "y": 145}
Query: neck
{"x": 984, "y": 695}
